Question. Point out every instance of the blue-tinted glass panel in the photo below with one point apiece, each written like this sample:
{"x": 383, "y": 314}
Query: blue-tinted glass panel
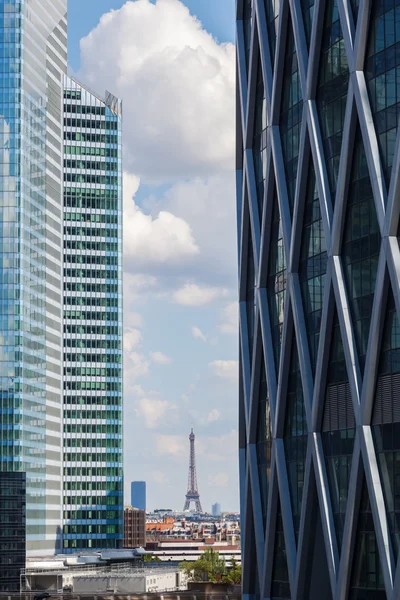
{"x": 295, "y": 437}
{"x": 264, "y": 439}
{"x": 366, "y": 579}
{"x": 331, "y": 96}
{"x": 276, "y": 282}
{"x": 280, "y": 588}
{"x": 272, "y": 14}
{"x": 307, "y": 7}
{"x": 386, "y": 420}
{"x": 291, "y": 114}
{"x": 247, "y": 25}
{"x": 312, "y": 266}
{"x": 338, "y": 430}
{"x": 382, "y": 74}
{"x": 260, "y": 139}
{"x": 360, "y": 250}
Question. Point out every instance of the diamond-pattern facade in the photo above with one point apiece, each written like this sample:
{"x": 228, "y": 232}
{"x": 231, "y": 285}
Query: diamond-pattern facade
{"x": 318, "y": 192}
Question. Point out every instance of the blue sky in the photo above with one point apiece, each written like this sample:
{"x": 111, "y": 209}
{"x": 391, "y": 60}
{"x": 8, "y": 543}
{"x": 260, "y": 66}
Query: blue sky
{"x": 176, "y": 79}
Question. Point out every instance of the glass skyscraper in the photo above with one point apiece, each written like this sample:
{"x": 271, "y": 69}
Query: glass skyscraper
{"x": 318, "y": 192}
{"x": 33, "y": 61}
{"x": 93, "y": 467}
{"x": 138, "y": 494}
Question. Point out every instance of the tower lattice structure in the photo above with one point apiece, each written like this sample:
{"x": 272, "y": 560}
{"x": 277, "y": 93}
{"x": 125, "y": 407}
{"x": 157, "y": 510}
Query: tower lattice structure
{"x": 192, "y": 494}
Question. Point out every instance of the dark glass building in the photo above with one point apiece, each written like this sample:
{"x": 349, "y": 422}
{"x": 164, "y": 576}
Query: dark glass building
{"x": 318, "y": 198}
{"x": 12, "y": 530}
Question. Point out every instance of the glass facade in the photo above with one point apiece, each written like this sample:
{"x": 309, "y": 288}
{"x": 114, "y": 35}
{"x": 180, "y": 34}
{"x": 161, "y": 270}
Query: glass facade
{"x": 33, "y": 62}
{"x": 320, "y": 393}
{"x": 93, "y": 467}
{"x": 12, "y": 529}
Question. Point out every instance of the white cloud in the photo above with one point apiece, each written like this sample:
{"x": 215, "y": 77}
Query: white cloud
{"x": 135, "y": 365}
{"x": 173, "y": 445}
{"x": 192, "y": 294}
{"x": 153, "y": 411}
{"x": 132, "y": 319}
{"x": 132, "y": 339}
{"x": 218, "y": 480}
{"x": 160, "y": 358}
{"x": 153, "y": 241}
{"x": 218, "y": 448}
{"x": 230, "y": 319}
{"x": 174, "y": 75}
{"x": 213, "y": 415}
{"x": 197, "y": 333}
{"x": 226, "y": 369}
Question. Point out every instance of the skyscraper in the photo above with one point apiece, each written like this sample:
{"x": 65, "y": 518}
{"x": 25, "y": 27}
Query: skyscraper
{"x": 138, "y": 494}
{"x": 93, "y": 466}
{"x": 33, "y": 51}
{"x": 216, "y": 509}
{"x": 318, "y": 175}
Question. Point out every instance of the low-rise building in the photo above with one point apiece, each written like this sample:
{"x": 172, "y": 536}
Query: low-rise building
{"x": 134, "y": 527}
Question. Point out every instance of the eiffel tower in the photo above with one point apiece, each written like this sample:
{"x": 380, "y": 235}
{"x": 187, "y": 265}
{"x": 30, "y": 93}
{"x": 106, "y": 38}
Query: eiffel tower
{"x": 192, "y": 494}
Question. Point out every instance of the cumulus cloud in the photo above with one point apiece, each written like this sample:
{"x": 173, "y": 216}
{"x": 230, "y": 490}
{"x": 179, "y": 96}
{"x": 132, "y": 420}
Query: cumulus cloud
{"x": 173, "y": 445}
{"x": 192, "y": 294}
{"x": 135, "y": 365}
{"x": 197, "y": 333}
{"x": 213, "y": 415}
{"x": 160, "y": 359}
{"x": 154, "y": 411}
{"x": 230, "y": 319}
{"x": 218, "y": 448}
{"x": 225, "y": 369}
{"x": 153, "y": 241}
{"x": 160, "y": 60}
{"x": 132, "y": 338}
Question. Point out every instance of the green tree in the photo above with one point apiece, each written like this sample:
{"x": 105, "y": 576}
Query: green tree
{"x": 209, "y": 567}
{"x": 150, "y": 558}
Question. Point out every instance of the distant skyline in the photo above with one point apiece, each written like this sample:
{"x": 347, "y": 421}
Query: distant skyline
{"x": 176, "y": 78}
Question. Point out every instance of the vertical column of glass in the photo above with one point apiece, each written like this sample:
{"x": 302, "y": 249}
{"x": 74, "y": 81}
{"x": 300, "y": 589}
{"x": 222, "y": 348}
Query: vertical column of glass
{"x": 10, "y": 157}
{"x": 93, "y": 502}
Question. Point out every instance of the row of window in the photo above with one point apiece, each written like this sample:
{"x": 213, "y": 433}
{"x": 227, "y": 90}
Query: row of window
{"x": 94, "y": 500}
{"x": 93, "y": 138}
{"x": 92, "y": 217}
{"x": 92, "y": 329}
{"x": 93, "y": 165}
{"x": 92, "y": 232}
{"x": 91, "y": 150}
{"x": 95, "y": 443}
{"x": 112, "y": 402}
{"x": 91, "y": 316}
{"x": 89, "y": 428}
{"x": 84, "y": 110}
{"x": 88, "y": 178}
{"x": 75, "y": 515}
{"x": 92, "y": 372}
{"x": 87, "y": 529}
{"x": 90, "y": 259}
{"x": 92, "y": 485}
{"x": 90, "y": 124}
{"x": 110, "y": 457}
{"x": 91, "y": 245}
{"x": 93, "y": 358}
{"x": 114, "y": 344}
{"x": 109, "y": 386}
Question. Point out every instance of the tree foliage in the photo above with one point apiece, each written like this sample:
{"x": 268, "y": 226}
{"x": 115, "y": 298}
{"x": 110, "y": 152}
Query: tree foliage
{"x": 211, "y": 567}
